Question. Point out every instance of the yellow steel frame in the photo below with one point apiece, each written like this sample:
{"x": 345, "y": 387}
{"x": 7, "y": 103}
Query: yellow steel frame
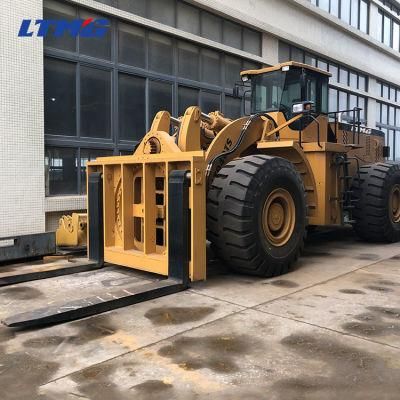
{"x": 135, "y": 195}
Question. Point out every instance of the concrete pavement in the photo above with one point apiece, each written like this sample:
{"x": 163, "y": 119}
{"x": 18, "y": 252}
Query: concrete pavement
{"x": 329, "y": 329}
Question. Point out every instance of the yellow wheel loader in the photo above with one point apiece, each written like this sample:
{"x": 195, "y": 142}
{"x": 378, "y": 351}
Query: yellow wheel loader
{"x": 250, "y": 186}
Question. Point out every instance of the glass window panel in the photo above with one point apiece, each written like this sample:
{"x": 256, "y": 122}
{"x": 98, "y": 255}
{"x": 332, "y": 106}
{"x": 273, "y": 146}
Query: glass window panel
{"x": 160, "y": 98}
{"x": 362, "y": 105}
{"x": 352, "y": 103}
{"x": 233, "y": 66}
{"x": 354, "y": 13}
{"x": 386, "y": 30}
{"x": 396, "y": 35}
{"x": 55, "y": 11}
{"x": 187, "y": 97}
{"x": 188, "y": 18}
{"x": 392, "y": 93}
{"x": 353, "y": 80}
{"x": 131, "y": 107}
{"x": 251, "y": 41}
{"x": 188, "y": 61}
{"x": 210, "y": 102}
{"x": 344, "y": 76}
{"x": 379, "y": 88}
{"x": 342, "y": 101}
{"x": 364, "y": 16}
{"x": 233, "y": 107}
{"x": 390, "y": 143}
{"x": 90, "y": 155}
{"x": 232, "y": 34}
{"x": 386, "y": 132}
{"x": 61, "y": 171}
{"x": 59, "y": 97}
{"x": 95, "y": 102}
{"x": 210, "y": 67}
{"x": 362, "y": 83}
{"x": 297, "y": 55}
{"x": 160, "y": 53}
{"x": 345, "y": 11}
{"x": 137, "y": 7}
{"x": 211, "y": 26}
{"x": 398, "y": 119}
{"x": 384, "y": 114}
{"x": 162, "y": 11}
{"x": 250, "y": 65}
{"x": 391, "y": 116}
{"x": 132, "y": 45}
{"x": 324, "y": 4}
{"x": 333, "y": 99}
{"x": 322, "y": 65}
{"x": 92, "y": 46}
{"x": 379, "y": 32}
{"x": 333, "y": 69}
{"x": 284, "y": 52}
{"x": 335, "y": 8}
{"x": 385, "y": 91}
{"x": 378, "y": 113}
{"x": 397, "y": 146}
{"x": 310, "y": 60}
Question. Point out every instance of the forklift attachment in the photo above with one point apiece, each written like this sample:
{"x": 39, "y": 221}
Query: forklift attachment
{"x": 35, "y": 272}
{"x": 72, "y": 230}
{"x": 178, "y": 266}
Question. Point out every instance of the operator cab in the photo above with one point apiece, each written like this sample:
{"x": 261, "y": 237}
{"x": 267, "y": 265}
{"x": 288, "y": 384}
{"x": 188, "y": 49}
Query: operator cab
{"x": 289, "y": 88}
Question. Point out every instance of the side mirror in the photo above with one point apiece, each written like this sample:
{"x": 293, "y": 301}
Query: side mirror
{"x": 305, "y": 107}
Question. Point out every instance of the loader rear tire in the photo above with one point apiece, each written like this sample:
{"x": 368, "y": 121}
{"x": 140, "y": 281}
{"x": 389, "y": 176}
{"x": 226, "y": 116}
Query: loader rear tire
{"x": 256, "y": 215}
{"x": 377, "y": 210}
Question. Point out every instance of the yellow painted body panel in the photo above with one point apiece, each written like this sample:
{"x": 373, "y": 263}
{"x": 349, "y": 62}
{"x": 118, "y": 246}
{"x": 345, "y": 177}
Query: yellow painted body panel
{"x": 72, "y": 230}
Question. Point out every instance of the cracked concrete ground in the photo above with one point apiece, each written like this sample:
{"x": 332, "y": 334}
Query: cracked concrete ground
{"x": 330, "y": 329}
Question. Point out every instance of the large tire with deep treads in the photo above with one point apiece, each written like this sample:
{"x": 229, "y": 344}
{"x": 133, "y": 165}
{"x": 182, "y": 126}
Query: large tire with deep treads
{"x": 377, "y": 206}
{"x": 246, "y": 206}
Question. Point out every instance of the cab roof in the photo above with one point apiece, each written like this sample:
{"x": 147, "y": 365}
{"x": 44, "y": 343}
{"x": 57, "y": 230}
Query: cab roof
{"x": 280, "y": 66}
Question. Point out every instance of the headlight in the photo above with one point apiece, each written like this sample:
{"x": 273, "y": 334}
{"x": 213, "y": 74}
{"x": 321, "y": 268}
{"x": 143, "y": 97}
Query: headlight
{"x": 304, "y": 107}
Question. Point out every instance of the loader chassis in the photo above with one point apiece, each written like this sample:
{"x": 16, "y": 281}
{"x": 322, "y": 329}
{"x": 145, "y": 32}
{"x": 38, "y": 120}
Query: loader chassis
{"x": 250, "y": 186}
{"x": 136, "y": 190}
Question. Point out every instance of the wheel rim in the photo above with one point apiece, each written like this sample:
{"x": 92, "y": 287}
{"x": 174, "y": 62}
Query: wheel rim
{"x": 279, "y": 217}
{"x": 395, "y": 203}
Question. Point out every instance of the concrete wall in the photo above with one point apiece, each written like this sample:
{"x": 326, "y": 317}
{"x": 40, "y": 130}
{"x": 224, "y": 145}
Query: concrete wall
{"x": 21, "y": 122}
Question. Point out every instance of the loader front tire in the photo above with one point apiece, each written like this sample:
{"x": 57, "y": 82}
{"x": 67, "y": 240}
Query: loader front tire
{"x": 256, "y": 215}
{"x": 377, "y": 209}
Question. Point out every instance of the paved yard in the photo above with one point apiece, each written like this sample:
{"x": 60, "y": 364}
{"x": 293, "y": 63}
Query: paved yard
{"x": 330, "y": 329}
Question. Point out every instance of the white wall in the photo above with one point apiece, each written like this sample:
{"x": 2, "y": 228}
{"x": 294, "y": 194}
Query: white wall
{"x": 21, "y": 122}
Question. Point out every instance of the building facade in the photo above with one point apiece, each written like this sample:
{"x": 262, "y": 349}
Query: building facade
{"x": 67, "y": 100}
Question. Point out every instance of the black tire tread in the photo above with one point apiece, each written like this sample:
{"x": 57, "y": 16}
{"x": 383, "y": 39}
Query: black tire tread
{"x": 371, "y": 209}
{"x": 230, "y": 211}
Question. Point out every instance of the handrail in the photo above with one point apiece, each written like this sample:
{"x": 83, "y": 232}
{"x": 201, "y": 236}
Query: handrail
{"x": 356, "y": 121}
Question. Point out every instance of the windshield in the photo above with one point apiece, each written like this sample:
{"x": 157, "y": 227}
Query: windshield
{"x": 275, "y": 91}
